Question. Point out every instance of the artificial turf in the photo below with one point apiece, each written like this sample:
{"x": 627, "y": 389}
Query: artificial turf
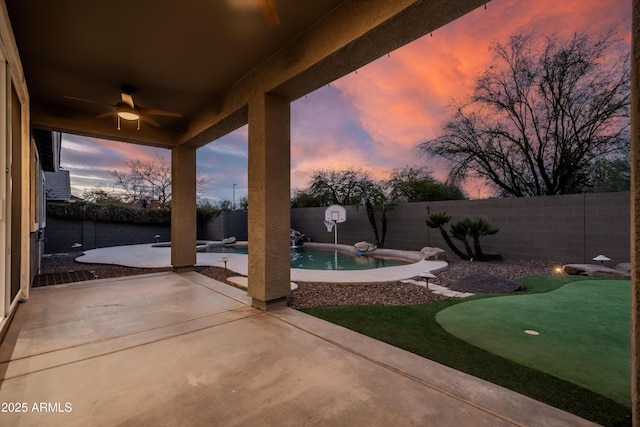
{"x": 414, "y": 328}
{"x": 583, "y": 332}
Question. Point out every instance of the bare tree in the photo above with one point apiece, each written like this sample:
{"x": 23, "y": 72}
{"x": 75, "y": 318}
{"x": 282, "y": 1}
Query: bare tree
{"x": 148, "y": 179}
{"x": 542, "y": 116}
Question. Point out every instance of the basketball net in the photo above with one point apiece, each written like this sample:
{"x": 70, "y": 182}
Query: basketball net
{"x": 329, "y": 225}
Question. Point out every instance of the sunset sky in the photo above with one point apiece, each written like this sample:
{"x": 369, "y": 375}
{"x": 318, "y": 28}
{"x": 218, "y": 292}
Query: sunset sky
{"x": 375, "y": 118}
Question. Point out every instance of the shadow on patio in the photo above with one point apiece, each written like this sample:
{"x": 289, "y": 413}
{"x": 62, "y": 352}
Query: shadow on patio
{"x": 183, "y": 349}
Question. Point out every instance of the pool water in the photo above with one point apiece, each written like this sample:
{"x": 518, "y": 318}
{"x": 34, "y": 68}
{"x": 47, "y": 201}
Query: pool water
{"x": 324, "y": 259}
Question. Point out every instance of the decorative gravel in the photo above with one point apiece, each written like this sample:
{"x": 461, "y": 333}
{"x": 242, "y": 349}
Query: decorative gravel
{"x": 325, "y": 294}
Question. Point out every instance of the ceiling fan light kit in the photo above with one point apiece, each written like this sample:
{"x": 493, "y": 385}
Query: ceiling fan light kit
{"x": 127, "y": 110}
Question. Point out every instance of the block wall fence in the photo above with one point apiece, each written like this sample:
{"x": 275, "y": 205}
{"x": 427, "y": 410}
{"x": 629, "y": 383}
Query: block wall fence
{"x": 61, "y": 234}
{"x": 566, "y": 229}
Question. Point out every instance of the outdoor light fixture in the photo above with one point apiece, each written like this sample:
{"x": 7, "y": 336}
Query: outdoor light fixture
{"x": 602, "y": 258}
{"x": 127, "y": 112}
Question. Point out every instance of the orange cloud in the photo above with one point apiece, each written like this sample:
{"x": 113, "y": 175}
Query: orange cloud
{"x": 403, "y": 99}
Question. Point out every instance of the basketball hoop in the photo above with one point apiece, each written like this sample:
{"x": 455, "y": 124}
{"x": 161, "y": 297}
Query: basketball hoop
{"x": 333, "y": 215}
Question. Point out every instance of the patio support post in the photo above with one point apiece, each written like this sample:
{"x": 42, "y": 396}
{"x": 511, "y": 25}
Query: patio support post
{"x": 635, "y": 215}
{"x": 269, "y": 201}
{"x": 183, "y": 208}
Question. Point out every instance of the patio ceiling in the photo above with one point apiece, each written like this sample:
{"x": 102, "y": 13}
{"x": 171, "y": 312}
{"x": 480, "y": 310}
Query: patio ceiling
{"x": 201, "y": 59}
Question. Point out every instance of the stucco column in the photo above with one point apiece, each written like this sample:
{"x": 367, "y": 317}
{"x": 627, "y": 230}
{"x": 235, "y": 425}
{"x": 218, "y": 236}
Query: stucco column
{"x": 635, "y": 216}
{"x": 269, "y": 204}
{"x": 183, "y": 208}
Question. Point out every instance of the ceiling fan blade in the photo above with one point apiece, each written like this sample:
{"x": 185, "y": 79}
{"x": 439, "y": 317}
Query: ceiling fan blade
{"x": 150, "y": 121}
{"x": 73, "y": 98}
{"x": 155, "y": 112}
{"x": 270, "y": 12}
{"x": 105, "y": 115}
{"x": 128, "y": 99}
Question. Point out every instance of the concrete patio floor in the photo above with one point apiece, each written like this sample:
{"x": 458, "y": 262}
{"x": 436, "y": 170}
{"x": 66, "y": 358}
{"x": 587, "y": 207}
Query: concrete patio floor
{"x": 183, "y": 349}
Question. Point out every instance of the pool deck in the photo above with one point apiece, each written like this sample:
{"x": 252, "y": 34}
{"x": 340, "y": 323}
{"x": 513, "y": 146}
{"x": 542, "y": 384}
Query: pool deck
{"x": 157, "y": 257}
{"x": 169, "y": 349}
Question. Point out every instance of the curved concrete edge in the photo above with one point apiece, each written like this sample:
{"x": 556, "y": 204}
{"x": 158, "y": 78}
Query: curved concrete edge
{"x": 147, "y": 256}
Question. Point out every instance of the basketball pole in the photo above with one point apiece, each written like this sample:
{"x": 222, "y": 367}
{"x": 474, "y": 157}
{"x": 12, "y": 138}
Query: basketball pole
{"x": 335, "y": 232}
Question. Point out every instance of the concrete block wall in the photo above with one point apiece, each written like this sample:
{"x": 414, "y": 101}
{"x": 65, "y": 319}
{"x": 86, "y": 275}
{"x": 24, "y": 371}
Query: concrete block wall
{"x": 61, "y": 234}
{"x": 569, "y": 228}
{"x": 227, "y": 224}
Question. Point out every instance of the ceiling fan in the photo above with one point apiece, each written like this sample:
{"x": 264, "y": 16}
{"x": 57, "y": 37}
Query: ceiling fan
{"x": 270, "y": 12}
{"x": 127, "y": 110}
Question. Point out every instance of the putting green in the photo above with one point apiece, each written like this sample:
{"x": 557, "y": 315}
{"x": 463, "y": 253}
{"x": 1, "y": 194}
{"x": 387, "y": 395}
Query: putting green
{"x": 584, "y": 332}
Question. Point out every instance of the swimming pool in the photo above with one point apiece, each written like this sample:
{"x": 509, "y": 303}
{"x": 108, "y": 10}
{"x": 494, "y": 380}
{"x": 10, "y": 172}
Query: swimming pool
{"x": 313, "y": 258}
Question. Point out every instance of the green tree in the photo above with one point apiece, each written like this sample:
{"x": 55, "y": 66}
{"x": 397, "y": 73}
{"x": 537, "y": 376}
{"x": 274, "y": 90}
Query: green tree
{"x": 342, "y": 187}
{"x": 348, "y": 187}
{"x": 542, "y": 116}
{"x": 416, "y": 184}
{"x": 103, "y": 195}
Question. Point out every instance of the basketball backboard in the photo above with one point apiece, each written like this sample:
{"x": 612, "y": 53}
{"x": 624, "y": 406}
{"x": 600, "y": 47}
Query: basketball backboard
{"x": 335, "y": 213}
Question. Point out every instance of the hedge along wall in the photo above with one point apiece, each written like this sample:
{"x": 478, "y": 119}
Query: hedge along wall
{"x": 61, "y": 234}
{"x": 566, "y": 229}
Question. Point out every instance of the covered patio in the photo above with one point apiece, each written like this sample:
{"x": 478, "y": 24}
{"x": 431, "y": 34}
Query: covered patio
{"x": 177, "y": 348}
{"x": 183, "y": 349}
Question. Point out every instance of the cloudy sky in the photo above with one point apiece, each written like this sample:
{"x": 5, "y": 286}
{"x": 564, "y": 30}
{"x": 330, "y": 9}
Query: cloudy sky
{"x": 375, "y": 118}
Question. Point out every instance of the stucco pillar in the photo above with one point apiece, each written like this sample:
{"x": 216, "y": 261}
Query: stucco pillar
{"x": 269, "y": 204}
{"x": 635, "y": 216}
{"x": 183, "y": 208}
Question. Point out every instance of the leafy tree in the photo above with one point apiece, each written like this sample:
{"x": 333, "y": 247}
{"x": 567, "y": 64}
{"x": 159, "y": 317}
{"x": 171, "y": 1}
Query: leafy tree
{"x": 415, "y": 184}
{"x": 611, "y": 175}
{"x": 301, "y": 198}
{"x": 103, "y": 195}
{"x": 348, "y": 187}
{"x": 542, "y": 116}
{"x": 342, "y": 187}
{"x": 372, "y": 195}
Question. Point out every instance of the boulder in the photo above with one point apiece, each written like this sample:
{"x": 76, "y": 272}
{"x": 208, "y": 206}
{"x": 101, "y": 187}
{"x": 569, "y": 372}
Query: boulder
{"x": 363, "y": 247}
{"x": 593, "y": 270}
{"x": 625, "y": 267}
{"x": 229, "y": 240}
{"x": 483, "y": 282}
{"x": 433, "y": 254}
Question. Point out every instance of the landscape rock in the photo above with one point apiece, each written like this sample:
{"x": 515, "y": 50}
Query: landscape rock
{"x": 229, "y": 240}
{"x": 364, "y": 247}
{"x": 594, "y": 270}
{"x": 483, "y": 282}
{"x": 433, "y": 254}
{"x": 625, "y": 267}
